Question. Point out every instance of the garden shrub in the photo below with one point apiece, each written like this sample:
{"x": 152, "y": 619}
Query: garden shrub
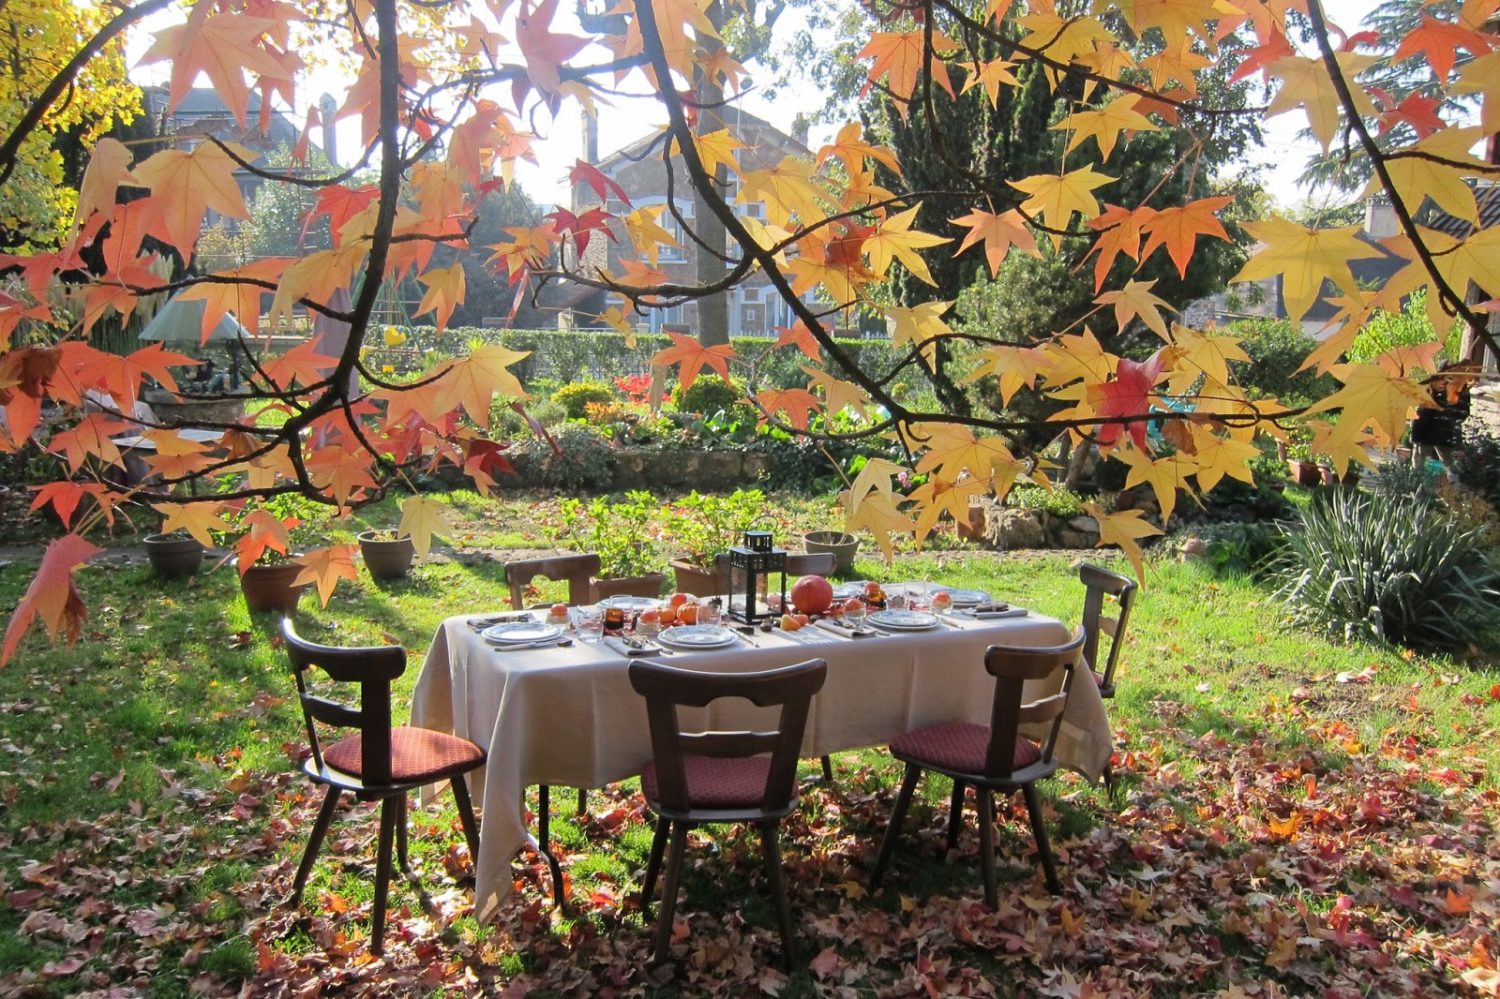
{"x": 707, "y": 395}
{"x": 575, "y": 398}
{"x": 584, "y": 461}
{"x": 1250, "y": 547}
{"x": 1383, "y": 568}
{"x": 507, "y": 423}
{"x": 1477, "y": 463}
{"x": 1059, "y": 501}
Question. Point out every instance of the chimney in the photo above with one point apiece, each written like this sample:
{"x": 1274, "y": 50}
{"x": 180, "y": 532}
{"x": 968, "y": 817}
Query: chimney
{"x": 328, "y": 107}
{"x": 590, "y": 137}
{"x": 1380, "y": 218}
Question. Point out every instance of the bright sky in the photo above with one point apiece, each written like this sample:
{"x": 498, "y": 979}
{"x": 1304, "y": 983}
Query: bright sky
{"x": 1283, "y": 155}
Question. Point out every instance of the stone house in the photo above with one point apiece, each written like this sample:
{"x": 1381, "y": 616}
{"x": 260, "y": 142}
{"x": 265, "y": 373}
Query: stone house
{"x": 755, "y": 307}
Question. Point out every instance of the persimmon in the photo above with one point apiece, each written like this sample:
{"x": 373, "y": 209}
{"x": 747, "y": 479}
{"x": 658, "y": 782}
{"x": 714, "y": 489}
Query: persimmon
{"x": 688, "y": 613}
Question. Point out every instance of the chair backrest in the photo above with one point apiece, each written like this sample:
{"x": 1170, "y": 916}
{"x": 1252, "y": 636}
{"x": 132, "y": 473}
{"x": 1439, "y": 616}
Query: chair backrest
{"x": 1012, "y": 666}
{"x": 667, "y": 687}
{"x": 373, "y": 668}
{"x": 810, "y": 563}
{"x": 576, "y": 569}
{"x": 1099, "y": 583}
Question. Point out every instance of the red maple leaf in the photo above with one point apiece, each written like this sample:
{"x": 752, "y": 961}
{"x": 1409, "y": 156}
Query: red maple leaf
{"x": 52, "y": 595}
{"x": 586, "y": 173}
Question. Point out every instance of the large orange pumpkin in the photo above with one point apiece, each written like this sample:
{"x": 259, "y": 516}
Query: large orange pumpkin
{"x": 812, "y": 594}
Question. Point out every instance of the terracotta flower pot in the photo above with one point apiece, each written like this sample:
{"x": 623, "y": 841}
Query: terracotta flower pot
{"x": 173, "y": 556}
{"x": 699, "y": 579}
{"x": 1304, "y": 473}
{"x": 842, "y": 545}
{"x": 270, "y": 587}
{"x": 387, "y": 557}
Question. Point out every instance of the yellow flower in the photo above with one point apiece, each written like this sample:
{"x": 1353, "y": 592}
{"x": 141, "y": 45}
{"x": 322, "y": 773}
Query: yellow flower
{"x": 387, "y": 369}
{"x": 394, "y": 337}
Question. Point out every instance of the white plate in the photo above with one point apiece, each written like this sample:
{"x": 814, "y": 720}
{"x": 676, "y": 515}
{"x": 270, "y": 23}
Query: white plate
{"x": 903, "y": 620}
{"x": 844, "y": 591}
{"x": 697, "y": 636}
{"x": 966, "y": 598}
{"x": 521, "y": 633}
{"x": 628, "y": 603}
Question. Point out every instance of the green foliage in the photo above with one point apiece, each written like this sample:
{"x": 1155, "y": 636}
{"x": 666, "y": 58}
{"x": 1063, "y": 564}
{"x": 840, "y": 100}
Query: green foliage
{"x": 1248, "y": 547}
{"x": 620, "y": 529}
{"x": 1386, "y": 568}
{"x": 1477, "y": 464}
{"x": 574, "y": 398}
{"x": 1059, "y": 501}
{"x": 702, "y": 525}
{"x": 707, "y": 395}
{"x": 582, "y": 462}
{"x": 506, "y": 422}
{"x": 1388, "y": 330}
{"x": 1277, "y": 348}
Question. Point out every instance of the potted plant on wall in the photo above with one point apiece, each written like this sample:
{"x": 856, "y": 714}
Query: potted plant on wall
{"x": 703, "y": 527}
{"x": 621, "y": 532}
{"x": 1299, "y": 460}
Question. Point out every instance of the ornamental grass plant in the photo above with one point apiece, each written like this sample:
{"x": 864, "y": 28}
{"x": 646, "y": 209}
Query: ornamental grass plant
{"x": 1389, "y": 568}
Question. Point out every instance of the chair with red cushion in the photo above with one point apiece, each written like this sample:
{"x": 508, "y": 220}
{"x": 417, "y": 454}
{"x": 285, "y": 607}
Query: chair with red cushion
{"x": 993, "y": 757}
{"x": 702, "y": 777}
{"x": 378, "y": 762}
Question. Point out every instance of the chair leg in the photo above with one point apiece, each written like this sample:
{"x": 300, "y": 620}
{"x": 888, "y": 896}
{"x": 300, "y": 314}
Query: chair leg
{"x": 465, "y": 807}
{"x": 653, "y": 865}
{"x": 986, "y": 801}
{"x": 661, "y": 947}
{"x": 583, "y": 801}
{"x": 893, "y": 829}
{"x": 955, "y": 814}
{"x": 544, "y": 841}
{"x": 1039, "y": 830}
{"x": 314, "y": 842}
{"x": 1109, "y": 781}
{"x": 402, "y": 859}
{"x": 827, "y": 770}
{"x": 382, "y": 876}
{"x": 772, "y": 847}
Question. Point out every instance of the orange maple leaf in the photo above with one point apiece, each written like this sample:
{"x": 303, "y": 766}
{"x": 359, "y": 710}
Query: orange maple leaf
{"x": 999, "y": 232}
{"x": 797, "y": 403}
{"x": 899, "y": 56}
{"x": 222, "y": 47}
{"x": 799, "y": 335}
{"x": 326, "y": 566}
{"x": 200, "y": 520}
{"x": 1178, "y": 228}
{"x": 302, "y": 365}
{"x": 692, "y": 356}
{"x": 445, "y": 292}
{"x": 1439, "y": 42}
{"x": 1120, "y": 231}
{"x": 185, "y": 185}
{"x": 52, "y": 595}
{"x": 544, "y": 50}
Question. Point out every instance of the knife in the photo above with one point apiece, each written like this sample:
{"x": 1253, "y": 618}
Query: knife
{"x": 545, "y": 644}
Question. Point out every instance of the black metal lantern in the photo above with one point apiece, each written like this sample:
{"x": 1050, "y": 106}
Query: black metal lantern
{"x": 756, "y": 570}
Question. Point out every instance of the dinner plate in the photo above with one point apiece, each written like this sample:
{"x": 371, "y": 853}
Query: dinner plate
{"x": 626, "y": 602}
{"x": 844, "y": 591}
{"x": 521, "y": 633}
{"x": 697, "y": 636}
{"x": 967, "y": 598}
{"x": 903, "y": 620}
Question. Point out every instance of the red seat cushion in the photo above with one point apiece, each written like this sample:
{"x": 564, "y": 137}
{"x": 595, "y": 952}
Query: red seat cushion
{"x": 417, "y": 754}
{"x": 716, "y": 781}
{"x": 957, "y": 746}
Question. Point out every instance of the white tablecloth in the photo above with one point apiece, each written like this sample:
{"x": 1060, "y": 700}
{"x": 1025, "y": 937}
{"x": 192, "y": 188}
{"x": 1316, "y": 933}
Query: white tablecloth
{"x": 568, "y": 716}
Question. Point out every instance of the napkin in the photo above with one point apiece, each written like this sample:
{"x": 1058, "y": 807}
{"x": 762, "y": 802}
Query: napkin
{"x": 618, "y": 644}
{"x": 845, "y": 630}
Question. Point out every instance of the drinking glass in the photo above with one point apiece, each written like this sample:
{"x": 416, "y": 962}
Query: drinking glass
{"x": 590, "y": 624}
{"x": 916, "y": 597}
{"x": 855, "y": 615}
{"x": 708, "y": 613}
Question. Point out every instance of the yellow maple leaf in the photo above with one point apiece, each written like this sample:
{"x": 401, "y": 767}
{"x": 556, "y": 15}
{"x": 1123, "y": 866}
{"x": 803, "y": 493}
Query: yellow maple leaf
{"x": 1165, "y": 475}
{"x": 1304, "y": 257}
{"x": 1105, "y": 124}
{"x": 982, "y": 458}
{"x": 717, "y": 148}
{"x": 874, "y": 477}
{"x": 1055, "y": 198}
{"x": 1305, "y": 84}
{"x": 472, "y": 382}
{"x": 919, "y": 325}
{"x": 1135, "y": 300}
{"x": 838, "y": 394}
{"x": 199, "y": 519}
{"x": 1415, "y": 175}
{"x": 991, "y": 75}
{"x": 1014, "y": 366}
{"x": 1202, "y": 354}
{"x": 1124, "y": 528}
{"x": 896, "y": 239}
{"x": 880, "y": 514}
{"x": 325, "y": 567}
{"x": 1220, "y": 456}
{"x": 445, "y": 292}
{"x": 1074, "y": 357}
{"x": 422, "y": 517}
{"x": 788, "y": 188}
{"x": 647, "y": 236}
{"x": 937, "y": 495}
{"x": 1371, "y": 394}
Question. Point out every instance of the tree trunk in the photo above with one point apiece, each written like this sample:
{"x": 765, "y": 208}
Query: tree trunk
{"x": 713, "y": 310}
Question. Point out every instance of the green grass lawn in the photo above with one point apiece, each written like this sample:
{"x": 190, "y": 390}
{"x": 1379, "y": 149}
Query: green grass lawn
{"x": 1318, "y": 818}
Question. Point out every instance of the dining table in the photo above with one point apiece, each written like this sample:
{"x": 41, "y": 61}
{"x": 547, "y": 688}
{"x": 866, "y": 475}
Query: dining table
{"x": 566, "y": 715}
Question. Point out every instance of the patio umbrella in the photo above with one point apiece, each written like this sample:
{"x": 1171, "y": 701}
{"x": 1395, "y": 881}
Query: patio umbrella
{"x": 183, "y": 320}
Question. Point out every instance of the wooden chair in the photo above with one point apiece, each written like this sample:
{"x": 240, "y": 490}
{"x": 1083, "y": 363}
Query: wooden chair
{"x": 994, "y": 757}
{"x": 377, "y": 762}
{"x": 1099, "y": 583}
{"x": 576, "y": 569}
{"x": 811, "y": 564}
{"x": 701, "y": 777}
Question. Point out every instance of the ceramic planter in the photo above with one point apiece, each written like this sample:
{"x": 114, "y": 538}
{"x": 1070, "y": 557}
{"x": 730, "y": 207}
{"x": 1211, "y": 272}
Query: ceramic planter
{"x": 271, "y": 587}
{"x": 649, "y": 585}
{"x": 1304, "y": 473}
{"x": 842, "y": 545}
{"x": 386, "y": 557}
{"x": 173, "y": 556}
